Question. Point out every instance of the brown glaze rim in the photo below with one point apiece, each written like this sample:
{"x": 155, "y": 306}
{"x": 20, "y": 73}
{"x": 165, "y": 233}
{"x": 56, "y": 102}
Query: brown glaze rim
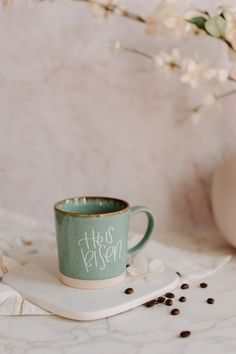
{"x": 125, "y": 209}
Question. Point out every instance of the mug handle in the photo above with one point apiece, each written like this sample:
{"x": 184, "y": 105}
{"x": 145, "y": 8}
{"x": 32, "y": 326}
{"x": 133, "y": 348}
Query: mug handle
{"x": 150, "y": 227}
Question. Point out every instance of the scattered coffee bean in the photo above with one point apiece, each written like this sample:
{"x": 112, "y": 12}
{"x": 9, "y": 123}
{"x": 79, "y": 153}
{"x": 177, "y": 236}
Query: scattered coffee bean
{"x": 155, "y": 301}
{"x": 150, "y": 303}
{"x": 185, "y": 334}
{"x": 170, "y": 295}
{"x": 184, "y": 286}
{"x": 129, "y": 291}
{"x": 182, "y": 299}
{"x": 161, "y": 299}
{"x": 175, "y": 312}
{"x": 203, "y": 285}
{"x": 169, "y": 302}
{"x": 210, "y": 301}
{"x": 178, "y": 273}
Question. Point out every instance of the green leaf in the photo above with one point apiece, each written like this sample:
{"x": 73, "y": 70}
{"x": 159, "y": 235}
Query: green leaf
{"x": 216, "y": 26}
{"x": 198, "y": 21}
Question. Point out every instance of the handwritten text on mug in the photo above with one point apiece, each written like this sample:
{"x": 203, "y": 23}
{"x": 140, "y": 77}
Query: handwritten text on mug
{"x": 98, "y": 250}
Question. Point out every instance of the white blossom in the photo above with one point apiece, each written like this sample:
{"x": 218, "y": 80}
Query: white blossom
{"x": 217, "y": 75}
{"x": 98, "y": 10}
{"x": 190, "y": 70}
{"x": 169, "y": 19}
{"x": 120, "y": 8}
{"x": 167, "y": 61}
{"x": 193, "y": 72}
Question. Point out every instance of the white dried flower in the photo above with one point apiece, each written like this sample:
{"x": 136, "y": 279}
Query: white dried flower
{"x": 144, "y": 268}
{"x": 193, "y": 72}
{"x": 98, "y": 13}
{"x": 217, "y": 75}
{"x": 169, "y": 19}
{"x": 190, "y": 70}
{"x": 120, "y": 8}
{"x": 98, "y": 9}
{"x": 167, "y": 61}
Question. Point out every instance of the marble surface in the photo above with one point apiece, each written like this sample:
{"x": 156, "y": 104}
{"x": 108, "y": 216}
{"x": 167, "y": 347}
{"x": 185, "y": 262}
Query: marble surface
{"x": 77, "y": 119}
{"x": 142, "y": 330}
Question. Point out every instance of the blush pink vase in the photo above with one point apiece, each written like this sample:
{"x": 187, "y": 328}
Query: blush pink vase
{"x": 224, "y": 198}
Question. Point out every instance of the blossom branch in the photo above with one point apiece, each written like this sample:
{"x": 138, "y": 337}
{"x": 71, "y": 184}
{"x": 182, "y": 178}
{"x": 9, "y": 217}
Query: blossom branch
{"x": 212, "y": 26}
{"x": 196, "y": 110}
{"x": 190, "y": 71}
{"x": 109, "y": 7}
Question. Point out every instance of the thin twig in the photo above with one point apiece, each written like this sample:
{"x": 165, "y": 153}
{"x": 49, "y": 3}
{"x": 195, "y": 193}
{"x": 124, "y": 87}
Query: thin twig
{"x": 225, "y": 94}
{"x": 217, "y": 97}
{"x": 113, "y": 8}
{"x": 137, "y": 51}
{"x": 228, "y": 44}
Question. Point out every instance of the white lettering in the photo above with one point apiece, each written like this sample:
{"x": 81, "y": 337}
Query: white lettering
{"x": 98, "y": 250}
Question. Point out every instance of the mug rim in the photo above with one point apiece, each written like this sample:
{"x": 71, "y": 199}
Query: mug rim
{"x": 125, "y": 209}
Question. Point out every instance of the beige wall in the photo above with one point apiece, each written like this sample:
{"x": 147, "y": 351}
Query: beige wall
{"x": 77, "y": 119}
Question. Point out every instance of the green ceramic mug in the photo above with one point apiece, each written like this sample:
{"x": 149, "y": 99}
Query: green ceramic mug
{"x": 92, "y": 237}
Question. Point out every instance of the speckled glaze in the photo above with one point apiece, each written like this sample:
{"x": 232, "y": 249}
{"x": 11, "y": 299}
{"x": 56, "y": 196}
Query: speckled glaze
{"x": 92, "y": 235}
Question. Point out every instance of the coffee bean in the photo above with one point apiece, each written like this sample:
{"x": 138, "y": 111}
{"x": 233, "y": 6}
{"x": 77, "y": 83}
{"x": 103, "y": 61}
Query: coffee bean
{"x": 175, "y": 312}
{"x": 184, "y": 286}
{"x": 155, "y": 301}
{"x": 170, "y": 295}
{"x": 185, "y": 334}
{"x": 178, "y": 273}
{"x": 127, "y": 265}
{"x": 169, "y": 302}
{"x": 150, "y": 303}
{"x": 210, "y": 301}
{"x": 161, "y": 299}
{"x": 182, "y": 299}
{"x": 203, "y": 285}
{"x": 129, "y": 291}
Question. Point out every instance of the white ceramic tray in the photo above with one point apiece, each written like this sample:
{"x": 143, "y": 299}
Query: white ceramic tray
{"x": 42, "y": 287}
